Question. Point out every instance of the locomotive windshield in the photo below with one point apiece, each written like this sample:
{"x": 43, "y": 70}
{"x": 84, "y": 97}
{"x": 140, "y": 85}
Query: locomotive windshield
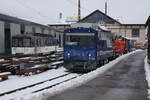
{"x": 78, "y": 39}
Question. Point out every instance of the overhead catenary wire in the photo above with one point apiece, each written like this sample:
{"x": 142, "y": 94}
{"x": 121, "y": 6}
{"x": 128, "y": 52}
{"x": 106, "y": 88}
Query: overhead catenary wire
{"x": 25, "y": 5}
{"x": 34, "y": 10}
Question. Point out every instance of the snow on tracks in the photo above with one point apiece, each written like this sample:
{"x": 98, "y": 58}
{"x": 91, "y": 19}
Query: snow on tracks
{"x": 77, "y": 81}
{"x": 64, "y": 86}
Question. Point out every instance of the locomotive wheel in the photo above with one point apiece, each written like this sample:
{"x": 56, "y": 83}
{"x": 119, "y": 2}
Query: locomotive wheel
{"x": 99, "y": 64}
{"x": 102, "y": 62}
{"x": 105, "y": 61}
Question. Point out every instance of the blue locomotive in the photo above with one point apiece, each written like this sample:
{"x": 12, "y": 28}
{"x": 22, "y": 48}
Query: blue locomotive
{"x": 86, "y": 47}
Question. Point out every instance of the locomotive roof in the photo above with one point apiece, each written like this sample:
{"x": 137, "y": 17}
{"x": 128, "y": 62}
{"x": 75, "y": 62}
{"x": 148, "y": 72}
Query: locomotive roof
{"x": 80, "y": 29}
{"x": 90, "y": 25}
{"x": 130, "y": 38}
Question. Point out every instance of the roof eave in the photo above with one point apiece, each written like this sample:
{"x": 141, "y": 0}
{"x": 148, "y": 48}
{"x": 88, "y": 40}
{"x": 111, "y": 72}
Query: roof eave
{"x": 100, "y": 12}
{"x": 148, "y": 21}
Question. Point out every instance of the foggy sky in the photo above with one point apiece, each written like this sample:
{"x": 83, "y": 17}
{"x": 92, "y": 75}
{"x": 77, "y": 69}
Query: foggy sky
{"x": 47, "y": 11}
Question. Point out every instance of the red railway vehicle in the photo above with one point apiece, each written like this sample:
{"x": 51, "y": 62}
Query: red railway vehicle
{"x": 122, "y": 45}
{"x": 119, "y": 45}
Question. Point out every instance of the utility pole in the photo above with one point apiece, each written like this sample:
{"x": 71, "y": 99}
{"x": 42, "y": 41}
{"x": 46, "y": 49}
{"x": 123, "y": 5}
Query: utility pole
{"x": 106, "y": 8}
{"x": 79, "y": 10}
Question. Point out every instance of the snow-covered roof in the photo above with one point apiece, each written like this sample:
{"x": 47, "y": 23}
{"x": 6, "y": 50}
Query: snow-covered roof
{"x": 103, "y": 28}
{"x": 130, "y": 38}
{"x": 89, "y": 25}
{"x": 12, "y": 19}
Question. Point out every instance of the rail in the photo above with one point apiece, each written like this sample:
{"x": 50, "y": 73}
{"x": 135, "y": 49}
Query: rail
{"x": 14, "y": 65}
{"x": 29, "y": 86}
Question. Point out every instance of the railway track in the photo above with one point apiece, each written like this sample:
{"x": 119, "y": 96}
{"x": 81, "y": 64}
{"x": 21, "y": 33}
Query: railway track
{"x": 40, "y": 83}
{"x": 5, "y": 59}
{"x": 14, "y": 64}
{"x": 13, "y": 61}
{"x": 8, "y": 57}
{"x": 51, "y": 86}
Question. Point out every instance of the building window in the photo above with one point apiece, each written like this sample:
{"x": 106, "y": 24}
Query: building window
{"x": 135, "y": 32}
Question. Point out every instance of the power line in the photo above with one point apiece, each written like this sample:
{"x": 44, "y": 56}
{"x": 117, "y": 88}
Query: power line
{"x": 35, "y": 10}
{"x": 47, "y": 17}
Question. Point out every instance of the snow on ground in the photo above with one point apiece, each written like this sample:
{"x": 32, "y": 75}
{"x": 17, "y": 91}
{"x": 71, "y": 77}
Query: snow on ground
{"x": 15, "y": 82}
{"x": 60, "y": 49}
{"x": 20, "y": 94}
{"x": 147, "y": 73}
{"x": 58, "y": 62}
{"x": 37, "y": 66}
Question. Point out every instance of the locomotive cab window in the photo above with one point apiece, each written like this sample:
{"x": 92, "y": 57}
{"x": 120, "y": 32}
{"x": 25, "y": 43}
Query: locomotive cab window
{"x": 77, "y": 39}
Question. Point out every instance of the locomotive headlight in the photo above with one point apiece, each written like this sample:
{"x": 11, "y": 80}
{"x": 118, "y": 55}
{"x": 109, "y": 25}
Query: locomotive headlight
{"x": 68, "y": 54}
{"x": 90, "y": 55}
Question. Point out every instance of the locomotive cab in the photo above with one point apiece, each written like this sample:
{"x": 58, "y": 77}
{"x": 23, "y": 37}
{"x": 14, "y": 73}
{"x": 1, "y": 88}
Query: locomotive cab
{"x": 86, "y": 46}
{"x": 80, "y": 49}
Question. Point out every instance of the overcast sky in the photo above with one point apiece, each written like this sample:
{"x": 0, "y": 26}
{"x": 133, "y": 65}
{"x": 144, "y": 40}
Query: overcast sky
{"x": 47, "y": 11}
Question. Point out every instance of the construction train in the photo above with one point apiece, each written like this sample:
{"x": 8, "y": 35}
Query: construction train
{"x": 35, "y": 43}
{"x": 87, "y": 46}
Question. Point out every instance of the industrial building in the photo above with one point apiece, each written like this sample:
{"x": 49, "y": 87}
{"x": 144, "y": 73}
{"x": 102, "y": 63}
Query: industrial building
{"x": 148, "y": 36}
{"x": 10, "y": 26}
{"x": 136, "y": 32}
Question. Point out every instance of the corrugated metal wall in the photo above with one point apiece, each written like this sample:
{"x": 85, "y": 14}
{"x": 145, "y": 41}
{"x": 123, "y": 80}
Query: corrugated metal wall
{"x": 2, "y": 45}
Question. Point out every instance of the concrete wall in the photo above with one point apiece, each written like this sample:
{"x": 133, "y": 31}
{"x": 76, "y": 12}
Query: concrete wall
{"x": 2, "y": 44}
{"x": 61, "y": 39}
{"x": 46, "y": 31}
{"x": 142, "y": 35}
{"x": 15, "y": 29}
{"x": 126, "y": 31}
{"x": 52, "y": 32}
{"x": 28, "y": 29}
{"x": 38, "y": 30}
